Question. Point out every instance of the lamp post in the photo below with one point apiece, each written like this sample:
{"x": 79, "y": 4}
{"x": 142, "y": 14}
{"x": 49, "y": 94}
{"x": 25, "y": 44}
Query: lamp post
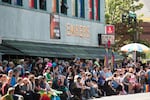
{"x": 132, "y": 19}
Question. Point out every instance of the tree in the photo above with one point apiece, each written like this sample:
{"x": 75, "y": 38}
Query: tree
{"x": 121, "y": 13}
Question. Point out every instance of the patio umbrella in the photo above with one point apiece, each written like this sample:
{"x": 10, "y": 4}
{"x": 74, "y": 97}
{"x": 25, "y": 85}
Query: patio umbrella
{"x": 135, "y": 47}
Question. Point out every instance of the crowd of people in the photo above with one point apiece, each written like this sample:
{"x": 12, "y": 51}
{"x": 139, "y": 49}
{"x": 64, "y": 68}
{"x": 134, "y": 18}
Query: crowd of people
{"x": 75, "y": 79}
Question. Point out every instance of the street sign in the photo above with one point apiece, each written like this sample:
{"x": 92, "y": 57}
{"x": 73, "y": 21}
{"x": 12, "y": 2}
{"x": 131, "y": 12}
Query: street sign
{"x": 105, "y": 39}
{"x": 110, "y": 29}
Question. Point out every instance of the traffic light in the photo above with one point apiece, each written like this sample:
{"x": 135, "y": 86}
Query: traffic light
{"x": 132, "y": 17}
{"x": 135, "y": 19}
{"x": 123, "y": 18}
{"x": 129, "y": 19}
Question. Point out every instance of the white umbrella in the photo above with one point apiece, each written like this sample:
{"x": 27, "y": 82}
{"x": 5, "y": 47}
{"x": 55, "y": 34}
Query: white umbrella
{"x": 135, "y": 47}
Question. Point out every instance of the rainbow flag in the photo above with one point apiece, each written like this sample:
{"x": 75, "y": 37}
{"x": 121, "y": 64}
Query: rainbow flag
{"x": 106, "y": 58}
{"x": 31, "y": 3}
{"x": 97, "y": 9}
{"x": 112, "y": 59}
{"x": 90, "y": 9}
{"x": 75, "y": 8}
{"x": 82, "y": 11}
{"x": 93, "y": 9}
{"x": 55, "y": 6}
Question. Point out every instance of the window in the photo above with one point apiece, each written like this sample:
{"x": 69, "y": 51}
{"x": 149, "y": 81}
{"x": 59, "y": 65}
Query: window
{"x": 64, "y": 7}
{"x": 42, "y": 4}
{"x": 33, "y": 4}
{"x": 7, "y": 1}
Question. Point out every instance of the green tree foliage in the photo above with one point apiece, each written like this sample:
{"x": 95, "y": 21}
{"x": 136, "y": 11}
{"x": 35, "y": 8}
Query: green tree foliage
{"x": 124, "y": 31}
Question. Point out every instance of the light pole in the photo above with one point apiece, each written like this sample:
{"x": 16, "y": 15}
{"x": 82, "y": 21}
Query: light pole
{"x": 132, "y": 19}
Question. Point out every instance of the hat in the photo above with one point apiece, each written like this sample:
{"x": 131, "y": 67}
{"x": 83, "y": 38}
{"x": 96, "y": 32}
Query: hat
{"x": 49, "y": 64}
{"x": 54, "y": 64}
{"x": 11, "y": 89}
{"x": 27, "y": 72}
{"x": 40, "y": 77}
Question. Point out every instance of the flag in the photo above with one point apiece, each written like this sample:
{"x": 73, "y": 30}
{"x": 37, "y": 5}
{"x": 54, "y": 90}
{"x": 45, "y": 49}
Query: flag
{"x": 31, "y": 3}
{"x": 112, "y": 59}
{"x": 82, "y": 8}
{"x": 106, "y": 58}
{"x": 76, "y": 8}
{"x": 73, "y": 7}
{"x": 55, "y": 6}
{"x": 97, "y": 9}
{"x": 90, "y": 9}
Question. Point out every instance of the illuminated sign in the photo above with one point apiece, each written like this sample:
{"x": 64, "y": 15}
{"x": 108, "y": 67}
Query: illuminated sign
{"x": 109, "y": 29}
{"x": 78, "y": 30}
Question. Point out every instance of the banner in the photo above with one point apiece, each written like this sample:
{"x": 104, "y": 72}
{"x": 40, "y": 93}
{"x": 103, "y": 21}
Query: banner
{"x": 31, "y": 3}
{"x": 54, "y": 26}
{"x": 73, "y": 7}
{"x": 82, "y": 8}
{"x": 97, "y": 11}
{"x": 90, "y": 9}
{"x": 55, "y": 6}
{"x": 106, "y": 58}
{"x": 112, "y": 59}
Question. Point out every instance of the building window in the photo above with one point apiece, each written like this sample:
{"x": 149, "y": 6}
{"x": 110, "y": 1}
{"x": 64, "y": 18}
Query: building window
{"x": 64, "y": 7}
{"x": 33, "y": 4}
{"x": 42, "y": 4}
{"x": 55, "y": 6}
{"x": 18, "y": 2}
{"x": 7, "y": 1}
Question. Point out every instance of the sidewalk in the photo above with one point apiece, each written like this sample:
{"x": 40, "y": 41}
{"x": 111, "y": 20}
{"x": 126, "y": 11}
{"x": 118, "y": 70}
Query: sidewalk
{"x": 140, "y": 96}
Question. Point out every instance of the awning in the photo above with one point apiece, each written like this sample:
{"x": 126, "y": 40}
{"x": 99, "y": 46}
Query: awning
{"x": 9, "y": 51}
{"x": 51, "y": 50}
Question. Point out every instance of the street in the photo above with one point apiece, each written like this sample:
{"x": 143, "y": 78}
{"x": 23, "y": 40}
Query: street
{"x": 141, "y": 96}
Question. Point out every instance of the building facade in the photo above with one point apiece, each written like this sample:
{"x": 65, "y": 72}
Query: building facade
{"x": 54, "y": 24}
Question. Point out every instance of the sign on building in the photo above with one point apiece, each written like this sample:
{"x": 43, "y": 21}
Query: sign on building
{"x": 105, "y": 39}
{"x": 55, "y": 26}
{"x": 110, "y": 29}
